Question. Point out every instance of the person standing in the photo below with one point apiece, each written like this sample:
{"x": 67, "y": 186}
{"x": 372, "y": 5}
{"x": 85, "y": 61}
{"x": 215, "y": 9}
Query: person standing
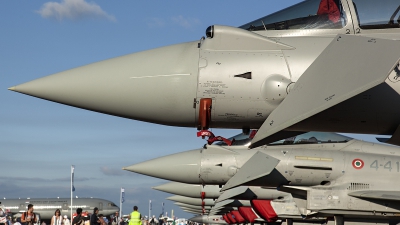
{"x": 134, "y": 217}
{"x": 56, "y": 219}
{"x": 116, "y": 220}
{"x": 9, "y": 221}
{"x": 153, "y": 221}
{"x": 101, "y": 219}
{"x": 66, "y": 220}
{"x": 16, "y": 221}
{"x": 78, "y": 220}
{"x": 145, "y": 220}
{"x": 94, "y": 219}
{"x": 28, "y": 217}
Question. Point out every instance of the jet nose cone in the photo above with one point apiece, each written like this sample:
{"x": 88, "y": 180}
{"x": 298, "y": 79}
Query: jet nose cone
{"x": 188, "y": 190}
{"x": 168, "y": 187}
{"x": 181, "y": 167}
{"x": 191, "y": 201}
{"x": 208, "y": 219}
{"x": 156, "y": 86}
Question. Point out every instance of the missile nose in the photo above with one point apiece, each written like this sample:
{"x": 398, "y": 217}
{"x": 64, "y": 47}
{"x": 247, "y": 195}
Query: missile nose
{"x": 155, "y": 86}
{"x": 181, "y": 167}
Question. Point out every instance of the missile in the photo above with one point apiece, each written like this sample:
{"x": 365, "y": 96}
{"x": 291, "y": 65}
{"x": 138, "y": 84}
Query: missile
{"x": 190, "y": 190}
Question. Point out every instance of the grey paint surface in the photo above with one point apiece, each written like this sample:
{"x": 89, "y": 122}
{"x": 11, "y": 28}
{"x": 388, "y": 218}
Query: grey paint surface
{"x": 260, "y": 164}
{"x": 248, "y": 193}
{"x": 325, "y": 84}
{"x": 165, "y": 85}
{"x": 190, "y": 190}
{"x": 324, "y": 175}
{"x": 191, "y": 201}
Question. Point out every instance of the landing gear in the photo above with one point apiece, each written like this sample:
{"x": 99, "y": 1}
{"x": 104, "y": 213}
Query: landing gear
{"x": 339, "y": 220}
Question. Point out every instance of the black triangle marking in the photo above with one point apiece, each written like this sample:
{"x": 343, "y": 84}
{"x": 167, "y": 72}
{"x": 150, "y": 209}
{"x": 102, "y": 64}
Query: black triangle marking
{"x": 244, "y": 75}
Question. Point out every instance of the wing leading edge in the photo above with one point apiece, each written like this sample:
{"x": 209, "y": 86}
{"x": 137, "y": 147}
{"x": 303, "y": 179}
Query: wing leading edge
{"x": 375, "y": 194}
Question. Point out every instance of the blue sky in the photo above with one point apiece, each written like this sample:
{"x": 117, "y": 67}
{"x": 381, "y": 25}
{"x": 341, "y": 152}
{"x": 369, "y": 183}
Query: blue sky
{"x": 40, "y": 140}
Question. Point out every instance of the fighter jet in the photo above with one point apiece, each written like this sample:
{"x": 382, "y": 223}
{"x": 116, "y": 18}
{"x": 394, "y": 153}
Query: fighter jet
{"x": 332, "y": 175}
{"x": 190, "y": 190}
{"x": 192, "y": 201}
{"x": 281, "y": 204}
{"x": 193, "y": 207}
{"x": 271, "y": 204}
{"x": 205, "y": 219}
{"x": 46, "y": 207}
{"x": 322, "y": 65}
{"x": 235, "y": 201}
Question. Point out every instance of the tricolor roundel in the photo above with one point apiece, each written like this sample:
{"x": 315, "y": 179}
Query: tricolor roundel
{"x": 358, "y": 164}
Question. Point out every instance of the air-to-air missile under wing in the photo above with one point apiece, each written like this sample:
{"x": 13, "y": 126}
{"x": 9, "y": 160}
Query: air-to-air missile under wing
{"x": 322, "y": 65}
{"x": 334, "y": 174}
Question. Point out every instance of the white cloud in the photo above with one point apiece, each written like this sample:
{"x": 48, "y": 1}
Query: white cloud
{"x": 73, "y": 10}
{"x": 177, "y": 20}
{"x": 113, "y": 171}
{"x": 155, "y": 22}
{"x": 185, "y": 22}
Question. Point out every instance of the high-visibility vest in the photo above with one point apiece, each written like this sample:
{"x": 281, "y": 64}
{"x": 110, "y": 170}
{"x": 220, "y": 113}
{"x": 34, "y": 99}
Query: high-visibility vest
{"x": 135, "y": 218}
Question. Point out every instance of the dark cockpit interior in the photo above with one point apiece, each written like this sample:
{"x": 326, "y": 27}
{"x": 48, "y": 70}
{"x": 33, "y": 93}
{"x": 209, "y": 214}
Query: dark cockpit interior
{"x": 330, "y": 14}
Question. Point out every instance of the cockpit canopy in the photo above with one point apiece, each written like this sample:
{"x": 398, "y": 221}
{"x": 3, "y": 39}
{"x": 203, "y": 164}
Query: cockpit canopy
{"x": 314, "y": 138}
{"x": 377, "y": 14}
{"x": 330, "y": 14}
{"x": 306, "y": 138}
{"x": 311, "y": 14}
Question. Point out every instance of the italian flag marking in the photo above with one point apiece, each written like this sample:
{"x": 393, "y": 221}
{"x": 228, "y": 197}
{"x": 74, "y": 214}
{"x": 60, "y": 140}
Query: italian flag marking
{"x": 358, "y": 164}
